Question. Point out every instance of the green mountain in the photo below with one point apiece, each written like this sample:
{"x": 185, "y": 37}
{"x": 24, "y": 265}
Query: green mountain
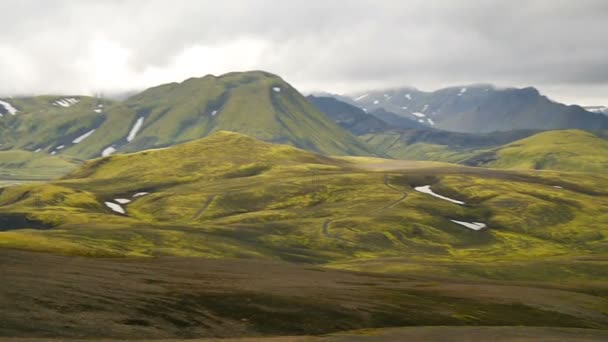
{"x": 570, "y": 150}
{"x": 255, "y": 103}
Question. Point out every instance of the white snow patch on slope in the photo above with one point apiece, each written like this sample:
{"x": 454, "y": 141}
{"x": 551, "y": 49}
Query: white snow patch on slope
{"x": 67, "y": 102}
{"x": 100, "y": 105}
{"x": 82, "y": 137}
{"x": 471, "y": 225}
{"x": 404, "y": 108}
{"x": 276, "y": 89}
{"x": 135, "y": 129}
{"x": 53, "y": 153}
{"x": 361, "y": 97}
{"x": 214, "y": 113}
{"x": 462, "y": 91}
{"x": 408, "y": 96}
{"x": 115, "y": 207}
{"x": 97, "y": 110}
{"x": 38, "y": 150}
{"x": 420, "y": 120}
{"x": 122, "y": 200}
{"x": 9, "y": 108}
{"x": 108, "y": 151}
{"x": 431, "y": 122}
{"x": 139, "y": 194}
{"x": 60, "y": 147}
{"x": 425, "y": 107}
{"x": 420, "y": 115}
{"x": 376, "y": 101}
{"x": 427, "y": 190}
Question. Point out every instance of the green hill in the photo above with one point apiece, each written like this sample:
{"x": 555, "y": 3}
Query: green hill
{"x": 232, "y": 195}
{"x": 25, "y": 165}
{"x": 570, "y": 150}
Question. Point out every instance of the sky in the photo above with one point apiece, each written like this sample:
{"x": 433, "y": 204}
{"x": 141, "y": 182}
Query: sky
{"x": 112, "y": 46}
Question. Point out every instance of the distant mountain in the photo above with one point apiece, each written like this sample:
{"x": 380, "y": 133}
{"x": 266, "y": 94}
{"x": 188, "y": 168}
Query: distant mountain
{"x": 597, "y": 109}
{"x": 255, "y": 103}
{"x": 348, "y": 116}
{"x": 480, "y": 109}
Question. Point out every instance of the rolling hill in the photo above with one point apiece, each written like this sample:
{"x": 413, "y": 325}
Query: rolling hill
{"x": 244, "y": 232}
{"x": 569, "y": 150}
{"x": 481, "y": 109}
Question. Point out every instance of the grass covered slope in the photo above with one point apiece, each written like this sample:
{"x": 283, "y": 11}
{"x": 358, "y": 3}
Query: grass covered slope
{"x": 570, "y": 150}
{"x": 541, "y": 261}
{"x": 255, "y": 103}
{"x": 232, "y": 195}
{"x": 437, "y": 145}
{"x": 26, "y": 165}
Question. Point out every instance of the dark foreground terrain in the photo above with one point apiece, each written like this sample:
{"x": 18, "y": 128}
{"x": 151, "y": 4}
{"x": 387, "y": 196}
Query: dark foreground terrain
{"x": 49, "y": 297}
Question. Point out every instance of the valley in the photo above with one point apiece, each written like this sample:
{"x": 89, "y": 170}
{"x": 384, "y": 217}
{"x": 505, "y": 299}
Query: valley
{"x": 219, "y": 206}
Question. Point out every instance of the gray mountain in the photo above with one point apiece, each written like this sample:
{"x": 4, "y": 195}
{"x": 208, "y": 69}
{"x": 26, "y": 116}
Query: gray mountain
{"x": 480, "y": 108}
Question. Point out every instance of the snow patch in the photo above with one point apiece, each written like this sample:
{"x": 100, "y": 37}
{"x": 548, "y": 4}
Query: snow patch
{"x": 361, "y": 97}
{"x": 67, "y": 102}
{"x": 408, "y": 96}
{"x": 557, "y": 187}
{"x": 53, "y": 153}
{"x": 425, "y": 107}
{"x": 214, "y": 113}
{"x": 471, "y": 225}
{"x": 108, "y": 151}
{"x": 420, "y": 120}
{"x": 100, "y": 105}
{"x": 9, "y": 108}
{"x": 376, "y": 101}
{"x": 97, "y": 110}
{"x": 115, "y": 207}
{"x": 462, "y": 91}
{"x": 276, "y": 89}
{"x": 38, "y": 150}
{"x": 135, "y": 129}
{"x": 427, "y": 190}
{"x": 139, "y": 194}
{"x": 404, "y": 108}
{"x": 420, "y": 115}
{"x": 60, "y": 147}
{"x": 431, "y": 122}
{"x": 122, "y": 200}
{"x": 82, "y": 137}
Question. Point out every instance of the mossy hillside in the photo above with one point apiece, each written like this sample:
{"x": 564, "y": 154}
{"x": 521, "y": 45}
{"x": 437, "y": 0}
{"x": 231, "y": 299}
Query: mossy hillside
{"x": 570, "y": 150}
{"x": 27, "y": 165}
{"x": 42, "y": 124}
{"x": 229, "y": 195}
{"x": 255, "y": 103}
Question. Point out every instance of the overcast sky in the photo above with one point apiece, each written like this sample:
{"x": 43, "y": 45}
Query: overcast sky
{"x": 82, "y": 47}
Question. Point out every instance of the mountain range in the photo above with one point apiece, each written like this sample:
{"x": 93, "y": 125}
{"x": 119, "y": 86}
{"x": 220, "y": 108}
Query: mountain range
{"x": 479, "y": 109}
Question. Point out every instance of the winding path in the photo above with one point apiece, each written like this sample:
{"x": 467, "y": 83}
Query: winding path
{"x": 201, "y": 211}
{"x": 328, "y": 222}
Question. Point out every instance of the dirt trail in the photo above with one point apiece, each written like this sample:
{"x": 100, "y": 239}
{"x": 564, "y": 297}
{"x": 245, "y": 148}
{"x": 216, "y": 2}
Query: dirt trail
{"x": 328, "y": 222}
{"x": 201, "y": 211}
